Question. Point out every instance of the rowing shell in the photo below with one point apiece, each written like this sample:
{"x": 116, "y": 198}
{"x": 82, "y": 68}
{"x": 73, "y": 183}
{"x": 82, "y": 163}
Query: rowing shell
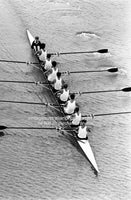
{"x": 83, "y": 144}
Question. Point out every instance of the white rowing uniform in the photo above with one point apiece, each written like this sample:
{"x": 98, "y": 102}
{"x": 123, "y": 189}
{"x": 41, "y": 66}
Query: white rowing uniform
{"x": 42, "y": 56}
{"x": 69, "y": 109}
{"x": 52, "y": 76}
{"x": 58, "y": 83}
{"x": 76, "y": 119}
{"x": 82, "y": 132}
{"x": 64, "y": 96}
{"x": 48, "y": 64}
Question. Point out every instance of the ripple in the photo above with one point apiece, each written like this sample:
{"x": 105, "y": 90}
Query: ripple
{"x": 87, "y": 34}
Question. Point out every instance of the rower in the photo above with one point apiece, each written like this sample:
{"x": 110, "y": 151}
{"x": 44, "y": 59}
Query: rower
{"x": 63, "y": 94}
{"x": 58, "y": 82}
{"x": 82, "y": 130}
{"x": 53, "y": 72}
{"x": 36, "y": 44}
{"x": 70, "y": 105}
{"x": 48, "y": 62}
{"x": 75, "y": 118}
{"x": 42, "y": 53}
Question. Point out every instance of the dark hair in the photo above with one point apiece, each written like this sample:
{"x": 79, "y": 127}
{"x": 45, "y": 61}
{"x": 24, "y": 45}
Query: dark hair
{"x": 36, "y": 37}
{"x": 54, "y": 63}
{"x": 58, "y": 74}
{"x": 72, "y": 96}
{"x": 48, "y": 55}
{"x": 42, "y": 46}
{"x": 83, "y": 121}
{"x": 76, "y": 109}
{"x": 65, "y": 86}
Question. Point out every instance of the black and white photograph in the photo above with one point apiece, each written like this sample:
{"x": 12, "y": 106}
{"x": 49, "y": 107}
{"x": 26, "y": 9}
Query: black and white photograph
{"x": 65, "y": 99}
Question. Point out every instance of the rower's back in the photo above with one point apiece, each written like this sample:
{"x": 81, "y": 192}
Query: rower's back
{"x": 64, "y": 94}
{"x": 48, "y": 62}
{"x": 82, "y": 130}
{"x": 71, "y": 105}
{"x": 76, "y": 117}
{"x": 58, "y": 82}
{"x": 54, "y": 70}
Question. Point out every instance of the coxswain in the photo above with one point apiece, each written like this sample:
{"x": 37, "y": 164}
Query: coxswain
{"x": 82, "y": 131}
{"x": 48, "y": 62}
{"x": 36, "y": 45}
{"x": 63, "y": 94}
{"x": 70, "y": 105}
{"x": 53, "y": 72}
{"x": 75, "y": 118}
{"x": 42, "y": 53}
{"x": 58, "y": 82}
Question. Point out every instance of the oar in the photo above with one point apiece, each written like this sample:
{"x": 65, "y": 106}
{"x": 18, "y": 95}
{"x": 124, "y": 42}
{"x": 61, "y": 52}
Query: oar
{"x": 112, "y": 70}
{"x": 26, "y": 102}
{"x": 18, "y": 61}
{"x": 106, "y": 114}
{"x": 30, "y": 82}
{"x": 127, "y": 89}
{"x": 64, "y": 53}
{"x": 19, "y": 127}
{"x": 2, "y": 127}
{"x": 81, "y": 52}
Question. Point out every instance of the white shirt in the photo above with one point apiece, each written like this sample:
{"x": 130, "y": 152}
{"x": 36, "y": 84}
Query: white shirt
{"x": 69, "y": 109}
{"x": 52, "y": 76}
{"x": 77, "y": 118}
{"x": 48, "y": 64}
{"x": 58, "y": 84}
{"x": 82, "y": 133}
{"x": 42, "y": 57}
{"x": 65, "y": 95}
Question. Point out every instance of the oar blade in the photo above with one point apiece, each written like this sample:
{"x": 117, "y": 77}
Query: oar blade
{"x": 115, "y": 69}
{"x": 3, "y": 127}
{"x": 128, "y": 89}
{"x": 103, "y": 51}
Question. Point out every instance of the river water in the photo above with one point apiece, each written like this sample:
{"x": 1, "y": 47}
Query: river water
{"x": 43, "y": 164}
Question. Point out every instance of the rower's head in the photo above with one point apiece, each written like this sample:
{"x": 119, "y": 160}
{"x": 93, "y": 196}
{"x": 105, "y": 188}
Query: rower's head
{"x": 72, "y": 96}
{"x": 65, "y": 86}
{"x": 54, "y": 63}
{"x": 42, "y": 46}
{"x": 83, "y": 122}
{"x": 36, "y": 38}
{"x": 58, "y": 74}
{"x": 76, "y": 110}
{"x": 48, "y": 56}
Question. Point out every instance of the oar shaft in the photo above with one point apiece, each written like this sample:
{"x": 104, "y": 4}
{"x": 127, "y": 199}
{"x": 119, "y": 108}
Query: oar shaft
{"x": 101, "y": 91}
{"x": 46, "y": 128}
{"x": 81, "y": 52}
{"x": 107, "y": 114}
{"x": 13, "y": 61}
{"x": 32, "y": 82}
{"x": 18, "y": 61}
{"x": 88, "y": 71}
{"x": 77, "y": 52}
{"x": 115, "y": 113}
{"x": 26, "y": 102}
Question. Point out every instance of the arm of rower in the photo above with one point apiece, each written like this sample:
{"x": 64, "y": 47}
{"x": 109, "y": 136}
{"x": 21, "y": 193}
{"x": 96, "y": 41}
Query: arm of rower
{"x": 88, "y": 129}
{"x": 53, "y": 82}
{"x": 49, "y": 71}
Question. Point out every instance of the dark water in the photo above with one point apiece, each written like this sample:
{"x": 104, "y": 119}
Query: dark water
{"x": 44, "y": 164}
